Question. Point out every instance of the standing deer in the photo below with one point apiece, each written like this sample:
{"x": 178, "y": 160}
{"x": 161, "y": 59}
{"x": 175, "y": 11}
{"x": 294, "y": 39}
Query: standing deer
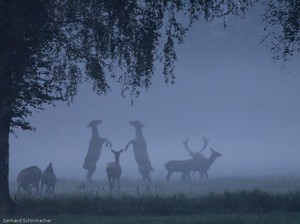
{"x": 195, "y": 155}
{"x": 182, "y": 166}
{"x": 114, "y": 170}
{"x": 95, "y": 148}
{"x": 140, "y": 151}
{"x": 49, "y": 179}
{"x": 195, "y": 164}
{"x": 29, "y": 178}
{"x": 206, "y": 163}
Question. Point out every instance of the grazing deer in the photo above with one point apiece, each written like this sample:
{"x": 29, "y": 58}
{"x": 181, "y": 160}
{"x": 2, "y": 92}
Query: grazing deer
{"x": 140, "y": 151}
{"x": 29, "y": 178}
{"x": 114, "y": 171}
{"x": 195, "y": 155}
{"x": 49, "y": 179}
{"x": 195, "y": 164}
{"x": 95, "y": 148}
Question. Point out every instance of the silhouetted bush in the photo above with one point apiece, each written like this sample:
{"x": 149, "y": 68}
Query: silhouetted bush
{"x": 254, "y": 201}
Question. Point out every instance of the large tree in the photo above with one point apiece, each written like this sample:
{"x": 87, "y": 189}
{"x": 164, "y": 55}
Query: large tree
{"x": 282, "y": 28}
{"x": 48, "y": 48}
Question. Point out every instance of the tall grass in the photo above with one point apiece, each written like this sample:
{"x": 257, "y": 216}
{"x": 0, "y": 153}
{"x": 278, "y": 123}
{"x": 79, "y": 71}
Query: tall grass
{"x": 254, "y": 201}
{"x": 217, "y": 196}
{"x": 240, "y": 218}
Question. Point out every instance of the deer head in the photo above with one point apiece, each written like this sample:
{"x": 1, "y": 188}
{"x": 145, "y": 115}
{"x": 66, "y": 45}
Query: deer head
{"x": 136, "y": 124}
{"x": 117, "y": 154}
{"x": 215, "y": 153}
{"x": 94, "y": 123}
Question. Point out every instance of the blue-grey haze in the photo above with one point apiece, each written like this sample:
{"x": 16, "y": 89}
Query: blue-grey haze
{"x": 227, "y": 89}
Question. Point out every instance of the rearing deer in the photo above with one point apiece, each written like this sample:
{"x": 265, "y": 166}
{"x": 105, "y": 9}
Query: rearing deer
{"x": 95, "y": 148}
{"x": 114, "y": 171}
{"x": 140, "y": 151}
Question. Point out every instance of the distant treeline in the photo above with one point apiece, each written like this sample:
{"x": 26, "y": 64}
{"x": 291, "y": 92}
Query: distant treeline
{"x": 254, "y": 201}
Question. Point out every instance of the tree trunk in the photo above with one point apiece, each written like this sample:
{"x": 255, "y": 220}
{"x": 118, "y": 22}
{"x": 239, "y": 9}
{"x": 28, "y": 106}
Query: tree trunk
{"x": 6, "y": 203}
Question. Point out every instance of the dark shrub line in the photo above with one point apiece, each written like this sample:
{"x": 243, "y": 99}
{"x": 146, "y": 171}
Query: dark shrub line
{"x": 228, "y": 202}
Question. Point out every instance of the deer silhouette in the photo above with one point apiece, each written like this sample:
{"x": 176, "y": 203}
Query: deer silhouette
{"x": 195, "y": 164}
{"x": 140, "y": 151}
{"x": 114, "y": 171}
{"x": 195, "y": 155}
{"x": 205, "y": 164}
{"x": 29, "y": 178}
{"x": 49, "y": 180}
{"x": 94, "y": 150}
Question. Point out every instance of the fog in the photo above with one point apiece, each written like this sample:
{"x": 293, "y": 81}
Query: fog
{"x": 227, "y": 89}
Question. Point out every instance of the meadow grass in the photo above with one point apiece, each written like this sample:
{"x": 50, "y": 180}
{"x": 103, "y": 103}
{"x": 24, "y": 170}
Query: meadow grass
{"x": 220, "y": 200}
{"x": 254, "y": 201}
{"x": 240, "y": 218}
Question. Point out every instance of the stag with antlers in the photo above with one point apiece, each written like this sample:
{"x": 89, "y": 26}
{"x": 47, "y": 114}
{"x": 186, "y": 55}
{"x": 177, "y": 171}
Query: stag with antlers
{"x": 197, "y": 163}
{"x": 195, "y": 155}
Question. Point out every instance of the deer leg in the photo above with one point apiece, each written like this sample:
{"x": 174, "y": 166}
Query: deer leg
{"x": 42, "y": 185}
{"x": 36, "y": 186}
{"x": 168, "y": 176}
{"x": 183, "y": 177}
{"x": 28, "y": 190}
{"x": 113, "y": 184}
{"x": 110, "y": 182}
{"x": 118, "y": 184}
{"x": 201, "y": 174}
{"x": 110, "y": 186}
{"x": 91, "y": 171}
{"x": 189, "y": 176}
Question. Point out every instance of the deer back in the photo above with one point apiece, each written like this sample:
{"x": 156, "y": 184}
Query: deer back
{"x": 30, "y": 175}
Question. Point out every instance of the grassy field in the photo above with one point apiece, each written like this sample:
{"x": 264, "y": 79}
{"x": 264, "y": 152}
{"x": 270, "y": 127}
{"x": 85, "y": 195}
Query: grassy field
{"x": 271, "y": 184}
{"x": 218, "y": 200}
{"x": 268, "y": 218}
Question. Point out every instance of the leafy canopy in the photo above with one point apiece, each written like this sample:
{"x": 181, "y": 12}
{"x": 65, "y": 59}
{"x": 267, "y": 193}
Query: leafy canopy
{"x": 48, "y": 48}
{"x": 282, "y": 26}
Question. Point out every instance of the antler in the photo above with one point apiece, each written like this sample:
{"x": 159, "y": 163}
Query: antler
{"x": 206, "y": 140}
{"x": 186, "y": 147}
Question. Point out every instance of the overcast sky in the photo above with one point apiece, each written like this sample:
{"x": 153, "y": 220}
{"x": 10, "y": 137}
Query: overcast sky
{"x": 227, "y": 89}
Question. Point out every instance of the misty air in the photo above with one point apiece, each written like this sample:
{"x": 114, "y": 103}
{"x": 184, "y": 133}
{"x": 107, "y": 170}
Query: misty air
{"x": 205, "y": 127}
